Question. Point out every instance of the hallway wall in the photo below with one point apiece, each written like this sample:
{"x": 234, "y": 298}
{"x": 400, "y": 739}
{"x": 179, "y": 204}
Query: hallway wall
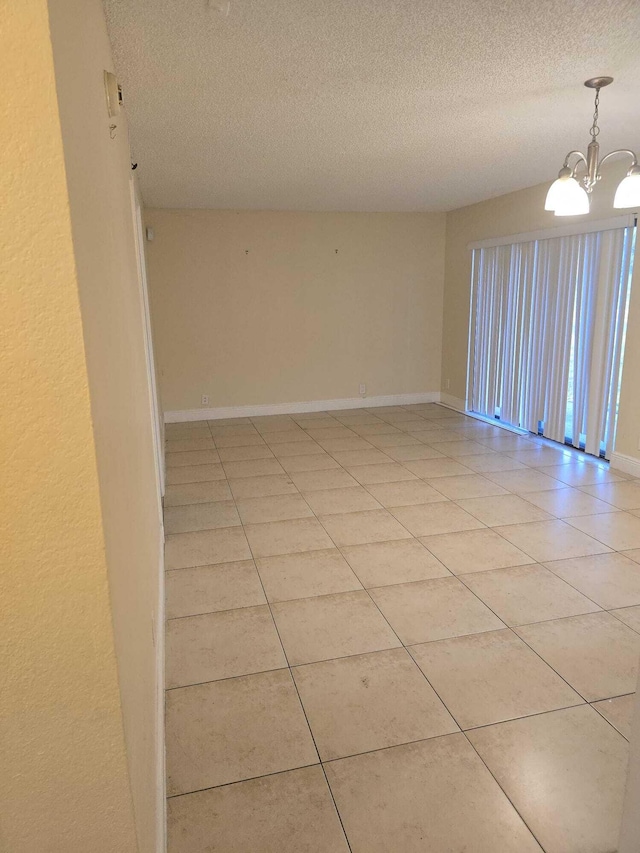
{"x": 64, "y": 784}
{"x": 98, "y": 170}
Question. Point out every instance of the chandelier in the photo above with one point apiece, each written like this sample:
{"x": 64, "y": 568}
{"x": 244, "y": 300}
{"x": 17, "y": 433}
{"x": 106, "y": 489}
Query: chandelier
{"x": 566, "y": 196}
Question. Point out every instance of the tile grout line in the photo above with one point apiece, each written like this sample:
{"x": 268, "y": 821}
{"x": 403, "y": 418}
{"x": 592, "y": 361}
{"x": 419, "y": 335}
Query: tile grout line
{"x": 339, "y": 549}
{"x": 508, "y": 798}
{"x": 459, "y": 575}
{"x": 428, "y": 682}
{"x": 506, "y": 627}
{"x": 509, "y": 628}
{"x": 241, "y": 781}
{"x": 609, "y": 699}
{"x": 295, "y": 686}
{"x": 387, "y": 509}
{"x": 439, "y": 697}
{"x": 390, "y": 627}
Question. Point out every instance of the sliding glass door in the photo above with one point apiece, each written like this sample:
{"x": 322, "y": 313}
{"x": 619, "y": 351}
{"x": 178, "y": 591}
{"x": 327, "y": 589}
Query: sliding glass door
{"x": 548, "y": 325}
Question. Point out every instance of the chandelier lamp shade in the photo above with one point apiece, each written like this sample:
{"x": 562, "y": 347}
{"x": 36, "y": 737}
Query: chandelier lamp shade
{"x": 569, "y": 194}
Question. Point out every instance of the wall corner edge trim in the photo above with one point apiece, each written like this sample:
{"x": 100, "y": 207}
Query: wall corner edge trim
{"x": 626, "y": 464}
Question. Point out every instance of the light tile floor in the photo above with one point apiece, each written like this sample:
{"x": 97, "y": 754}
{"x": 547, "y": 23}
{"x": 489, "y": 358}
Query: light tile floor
{"x": 396, "y": 629}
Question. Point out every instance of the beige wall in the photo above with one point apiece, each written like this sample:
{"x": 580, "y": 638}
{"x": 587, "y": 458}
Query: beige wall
{"x": 98, "y": 174}
{"x": 515, "y": 213}
{"x": 64, "y": 783}
{"x": 256, "y": 307}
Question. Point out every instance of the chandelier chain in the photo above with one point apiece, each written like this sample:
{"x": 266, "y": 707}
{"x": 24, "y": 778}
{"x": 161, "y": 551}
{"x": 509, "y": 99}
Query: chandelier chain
{"x": 569, "y": 195}
{"x": 595, "y": 130}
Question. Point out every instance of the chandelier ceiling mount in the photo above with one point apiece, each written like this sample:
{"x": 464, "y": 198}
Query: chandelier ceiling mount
{"x": 570, "y": 196}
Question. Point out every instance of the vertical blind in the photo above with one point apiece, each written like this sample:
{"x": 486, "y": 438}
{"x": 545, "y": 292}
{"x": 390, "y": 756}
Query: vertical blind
{"x": 548, "y": 321}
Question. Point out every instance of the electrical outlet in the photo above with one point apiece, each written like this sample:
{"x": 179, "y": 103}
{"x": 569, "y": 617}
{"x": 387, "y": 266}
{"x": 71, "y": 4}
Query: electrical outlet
{"x": 205, "y": 400}
{"x": 363, "y": 390}
{"x": 447, "y": 384}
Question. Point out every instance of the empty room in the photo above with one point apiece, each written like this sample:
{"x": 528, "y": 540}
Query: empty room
{"x": 321, "y": 426}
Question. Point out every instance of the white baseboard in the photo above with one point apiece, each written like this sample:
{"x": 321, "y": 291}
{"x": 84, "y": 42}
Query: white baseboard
{"x": 161, "y": 775}
{"x": 298, "y": 408}
{"x": 626, "y": 464}
{"x": 452, "y": 402}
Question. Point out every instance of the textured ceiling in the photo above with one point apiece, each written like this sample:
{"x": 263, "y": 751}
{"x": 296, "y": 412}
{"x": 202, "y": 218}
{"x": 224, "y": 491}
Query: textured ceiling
{"x": 367, "y": 104}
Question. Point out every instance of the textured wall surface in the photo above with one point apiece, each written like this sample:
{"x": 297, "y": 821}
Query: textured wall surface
{"x": 64, "y": 784}
{"x": 257, "y": 307}
{"x": 98, "y": 172}
{"x": 513, "y": 214}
